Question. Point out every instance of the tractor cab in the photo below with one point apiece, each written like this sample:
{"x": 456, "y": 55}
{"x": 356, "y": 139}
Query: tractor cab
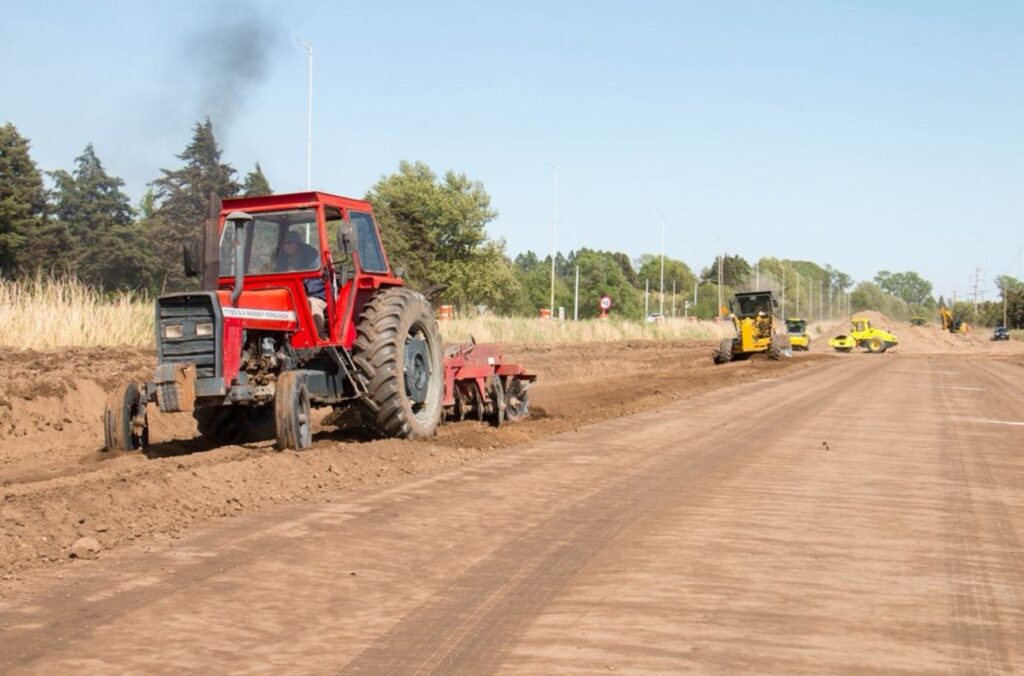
{"x": 302, "y": 259}
{"x": 796, "y": 330}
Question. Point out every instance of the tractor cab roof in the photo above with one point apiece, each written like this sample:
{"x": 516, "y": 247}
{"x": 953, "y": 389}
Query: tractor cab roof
{"x": 291, "y": 201}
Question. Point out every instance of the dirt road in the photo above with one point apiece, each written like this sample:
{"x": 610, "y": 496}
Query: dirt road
{"x": 787, "y": 525}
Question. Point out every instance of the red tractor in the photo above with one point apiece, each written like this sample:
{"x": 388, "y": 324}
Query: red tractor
{"x": 303, "y": 309}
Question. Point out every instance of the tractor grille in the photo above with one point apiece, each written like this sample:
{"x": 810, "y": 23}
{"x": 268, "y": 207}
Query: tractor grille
{"x": 188, "y": 311}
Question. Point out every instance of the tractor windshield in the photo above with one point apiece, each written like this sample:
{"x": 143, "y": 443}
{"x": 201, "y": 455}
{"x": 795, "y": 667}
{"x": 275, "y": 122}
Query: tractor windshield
{"x": 751, "y": 304}
{"x": 795, "y": 326}
{"x": 276, "y": 241}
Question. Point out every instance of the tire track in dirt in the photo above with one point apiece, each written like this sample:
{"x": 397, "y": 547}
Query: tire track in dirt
{"x": 481, "y": 611}
{"x": 976, "y": 622}
{"x": 189, "y": 572}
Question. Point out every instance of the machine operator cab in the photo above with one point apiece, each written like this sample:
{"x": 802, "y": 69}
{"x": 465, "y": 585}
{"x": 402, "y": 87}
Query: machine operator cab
{"x": 318, "y": 250}
{"x": 757, "y": 306}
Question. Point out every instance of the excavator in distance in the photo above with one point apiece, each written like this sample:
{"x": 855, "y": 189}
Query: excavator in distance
{"x": 951, "y": 323}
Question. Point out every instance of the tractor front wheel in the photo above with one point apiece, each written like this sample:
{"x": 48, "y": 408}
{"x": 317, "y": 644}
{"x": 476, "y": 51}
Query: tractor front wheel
{"x": 292, "y": 416}
{"x": 775, "y": 347}
{"x": 723, "y": 355}
{"x": 125, "y": 425}
{"x": 398, "y": 350}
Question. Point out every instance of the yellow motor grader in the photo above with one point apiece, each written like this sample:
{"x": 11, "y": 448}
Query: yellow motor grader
{"x": 864, "y": 336}
{"x": 753, "y": 317}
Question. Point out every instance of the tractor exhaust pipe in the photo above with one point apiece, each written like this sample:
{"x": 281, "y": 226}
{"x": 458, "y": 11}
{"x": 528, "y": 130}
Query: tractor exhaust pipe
{"x": 238, "y": 221}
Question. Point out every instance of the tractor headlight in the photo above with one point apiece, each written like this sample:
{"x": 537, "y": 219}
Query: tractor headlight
{"x": 204, "y": 329}
{"x": 172, "y": 331}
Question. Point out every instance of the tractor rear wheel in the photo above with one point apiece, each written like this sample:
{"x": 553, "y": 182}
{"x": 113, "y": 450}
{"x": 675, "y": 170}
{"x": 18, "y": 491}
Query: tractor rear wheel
{"x": 292, "y": 417}
{"x": 398, "y": 350}
{"x": 125, "y": 426}
{"x": 723, "y": 354}
{"x": 876, "y": 346}
{"x": 775, "y": 347}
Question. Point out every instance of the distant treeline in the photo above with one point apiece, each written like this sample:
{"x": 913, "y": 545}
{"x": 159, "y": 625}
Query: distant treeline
{"x": 82, "y": 224}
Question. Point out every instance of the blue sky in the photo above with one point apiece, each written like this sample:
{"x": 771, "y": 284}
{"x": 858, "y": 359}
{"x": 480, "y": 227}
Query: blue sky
{"x": 868, "y": 135}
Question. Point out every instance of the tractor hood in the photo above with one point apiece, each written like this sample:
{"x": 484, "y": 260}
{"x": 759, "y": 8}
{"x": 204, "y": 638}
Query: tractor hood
{"x": 271, "y": 309}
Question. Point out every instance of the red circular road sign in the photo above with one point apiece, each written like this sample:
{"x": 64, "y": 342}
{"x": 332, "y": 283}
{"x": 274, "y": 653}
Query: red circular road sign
{"x": 606, "y": 303}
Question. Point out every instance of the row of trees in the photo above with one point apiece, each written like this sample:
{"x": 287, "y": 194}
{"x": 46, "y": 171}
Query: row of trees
{"x": 434, "y": 227}
{"x": 85, "y": 225}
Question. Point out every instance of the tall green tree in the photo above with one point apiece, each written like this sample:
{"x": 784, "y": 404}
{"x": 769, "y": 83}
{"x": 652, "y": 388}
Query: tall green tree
{"x": 183, "y": 202}
{"x": 677, "y": 274}
{"x": 735, "y": 271}
{"x": 908, "y": 286}
{"x": 601, "y": 272}
{"x": 435, "y": 228}
{"x": 108, "y": 248}
{"x": 22, "y": 200}
{"x": 256, "y": 183}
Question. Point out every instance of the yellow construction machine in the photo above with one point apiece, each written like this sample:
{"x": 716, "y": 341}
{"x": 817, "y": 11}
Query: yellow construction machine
{"x": 864, "y": 336}
{"x": 796, "y": 330}
{"x": 752, "y": 316}
{"x": 952, "y": 324}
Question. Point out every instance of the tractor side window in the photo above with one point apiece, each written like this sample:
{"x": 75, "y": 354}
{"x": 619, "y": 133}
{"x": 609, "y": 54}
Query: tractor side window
{"x": 333, "y": 222}
{"x": 371, "y": 258}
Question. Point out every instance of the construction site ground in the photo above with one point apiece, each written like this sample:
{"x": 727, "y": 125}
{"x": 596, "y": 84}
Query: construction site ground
{"x": 825, "y": 512}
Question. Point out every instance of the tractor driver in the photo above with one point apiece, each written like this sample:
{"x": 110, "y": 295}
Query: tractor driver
{"x": 297, "y": 255}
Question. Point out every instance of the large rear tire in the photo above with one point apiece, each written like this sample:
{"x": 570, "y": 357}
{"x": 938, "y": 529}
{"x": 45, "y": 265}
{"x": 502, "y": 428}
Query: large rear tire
{"x": 723, "y": 353}
{"x": 398, "y": 350}
{"x": 292, "y": 416}
{"x": 125, "y": 425}
{"x": 876, "y": 346}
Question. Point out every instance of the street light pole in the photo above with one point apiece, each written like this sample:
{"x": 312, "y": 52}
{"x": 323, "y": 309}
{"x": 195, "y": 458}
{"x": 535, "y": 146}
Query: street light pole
{"x": 309, "y": 117}
{"x": 661, "y": 286}
{"x": 718, "y": 310}
{"x": 554, "y": 236}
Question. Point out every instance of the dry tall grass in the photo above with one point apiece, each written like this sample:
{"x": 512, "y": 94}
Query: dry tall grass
{"x": 46, "y": 313}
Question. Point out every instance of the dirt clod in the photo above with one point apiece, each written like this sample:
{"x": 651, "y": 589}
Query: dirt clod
{"x": 85, "y": 548}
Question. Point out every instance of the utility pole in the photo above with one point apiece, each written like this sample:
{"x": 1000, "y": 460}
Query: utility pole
{"x": 718, "y": 310}
{"x": 674, "y": 299}
{"x": 977, "y": 281}
{"x": 554, "y": 237}
{"x": 783, "y": 289}
{"x": 798, "y": 294}
{"x": 757, "y": 275}
{"x": 647, "y": 297}
{"x": 576, "y": 298}
{"x": 821, "y": 299}
{"x": 661, "y": 286}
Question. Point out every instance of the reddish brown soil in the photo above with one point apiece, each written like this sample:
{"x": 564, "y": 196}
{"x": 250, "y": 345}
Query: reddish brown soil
{"x": 56, "y": 486}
